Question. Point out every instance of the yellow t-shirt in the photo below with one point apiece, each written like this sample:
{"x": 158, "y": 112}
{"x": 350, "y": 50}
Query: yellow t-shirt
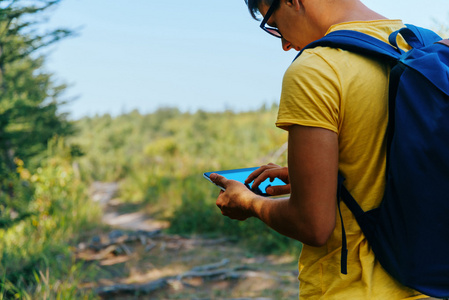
{"x": 348, "y": 94}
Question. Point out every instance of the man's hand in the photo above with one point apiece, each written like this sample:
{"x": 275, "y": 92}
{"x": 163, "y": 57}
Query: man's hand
{"x": 236, "y": 201}
{"x": 271, "y": 171}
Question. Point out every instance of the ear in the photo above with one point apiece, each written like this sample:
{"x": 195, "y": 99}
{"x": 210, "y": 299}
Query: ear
{"x": 296, "y": 4}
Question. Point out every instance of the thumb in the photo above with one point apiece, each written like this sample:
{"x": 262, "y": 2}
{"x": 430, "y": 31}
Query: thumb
{"x": 218, "y": 180}
{"x": 278, "y": 190}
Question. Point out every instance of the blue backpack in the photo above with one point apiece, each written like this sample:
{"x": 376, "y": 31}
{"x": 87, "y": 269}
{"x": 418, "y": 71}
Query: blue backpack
{"x": 409, "y": 231}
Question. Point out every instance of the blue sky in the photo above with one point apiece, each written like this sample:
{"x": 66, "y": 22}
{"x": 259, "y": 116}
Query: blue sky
{"x": 197, "y": 54}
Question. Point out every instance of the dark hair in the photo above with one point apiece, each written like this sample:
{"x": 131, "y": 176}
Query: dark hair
{"x": 253, "y": 6}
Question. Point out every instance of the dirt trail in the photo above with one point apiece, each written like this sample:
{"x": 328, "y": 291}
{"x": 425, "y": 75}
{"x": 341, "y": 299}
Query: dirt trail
{"x": 136, "y": 260}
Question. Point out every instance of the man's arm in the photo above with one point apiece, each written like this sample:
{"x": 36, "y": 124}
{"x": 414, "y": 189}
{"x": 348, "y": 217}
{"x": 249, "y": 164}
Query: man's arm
{"x": 309, "y": 214}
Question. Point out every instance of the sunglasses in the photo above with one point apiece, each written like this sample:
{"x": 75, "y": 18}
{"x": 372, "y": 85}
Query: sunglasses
{"x": 271, "y": 30}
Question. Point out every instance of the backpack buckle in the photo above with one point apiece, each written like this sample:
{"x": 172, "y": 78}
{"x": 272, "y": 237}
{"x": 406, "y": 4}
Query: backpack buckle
{"x": 444, "y": 42}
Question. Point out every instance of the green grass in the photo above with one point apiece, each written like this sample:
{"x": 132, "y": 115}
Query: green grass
{"x": 36, "y": 261}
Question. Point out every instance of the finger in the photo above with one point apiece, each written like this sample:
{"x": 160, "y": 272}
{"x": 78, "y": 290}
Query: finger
{"x": 218, "y": 180}
{"x": 254, "y": 174}
{"x": 219, "y": 198}
{"x": 278, "y": 190}
{"x": 269, "y": 173}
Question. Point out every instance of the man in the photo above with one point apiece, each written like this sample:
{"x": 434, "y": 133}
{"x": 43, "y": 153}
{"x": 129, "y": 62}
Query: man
{"x": 334, "y": 107}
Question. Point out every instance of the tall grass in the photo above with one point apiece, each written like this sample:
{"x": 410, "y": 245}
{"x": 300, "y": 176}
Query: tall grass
{"x": 52, "y": 208}
{"x": 162, "y": 157}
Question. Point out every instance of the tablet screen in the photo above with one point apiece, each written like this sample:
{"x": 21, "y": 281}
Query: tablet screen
{"x": 241, "y": 175}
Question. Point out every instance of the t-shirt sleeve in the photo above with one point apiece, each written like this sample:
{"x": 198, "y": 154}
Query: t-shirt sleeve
{"x": 311, "y": 94}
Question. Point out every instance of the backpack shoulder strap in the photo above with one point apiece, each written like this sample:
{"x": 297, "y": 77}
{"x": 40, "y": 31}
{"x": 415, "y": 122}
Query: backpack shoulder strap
{"x": 416, "y": 37}
{"x": 365, "y": 44}
{"x": 357, "y": 42}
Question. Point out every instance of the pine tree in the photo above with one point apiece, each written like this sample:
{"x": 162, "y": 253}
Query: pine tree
{"x": 29, "y": 97}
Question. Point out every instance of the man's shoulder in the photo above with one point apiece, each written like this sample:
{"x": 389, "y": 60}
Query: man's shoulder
{"x": 323, "y": 60}
{"x": 380, "y": 29}
{"x": 326, "y": 59}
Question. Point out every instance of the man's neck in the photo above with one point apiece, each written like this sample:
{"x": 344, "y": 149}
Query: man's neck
{"x": 348, "y": 11}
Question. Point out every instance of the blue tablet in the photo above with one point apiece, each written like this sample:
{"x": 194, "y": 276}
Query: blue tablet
{"x": 241, "y": 175}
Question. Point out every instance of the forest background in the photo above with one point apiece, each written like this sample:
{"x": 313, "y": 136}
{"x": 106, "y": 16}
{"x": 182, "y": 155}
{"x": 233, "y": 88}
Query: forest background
{"x": 48, "y": 162}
